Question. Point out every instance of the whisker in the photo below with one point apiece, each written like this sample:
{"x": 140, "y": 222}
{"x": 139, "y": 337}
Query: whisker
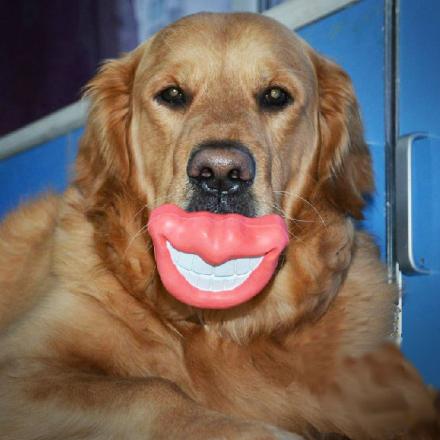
{"x": 305, "y": 201}
{"x": 292, "y": 219}
{"x": 139, "y": 211}
{"x": 144, "y": 227}
{"x": 133, "y": 238}
{"x": 283, "y": 214}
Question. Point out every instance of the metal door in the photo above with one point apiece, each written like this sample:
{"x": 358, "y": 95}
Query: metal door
{"x": 418, "y": 197}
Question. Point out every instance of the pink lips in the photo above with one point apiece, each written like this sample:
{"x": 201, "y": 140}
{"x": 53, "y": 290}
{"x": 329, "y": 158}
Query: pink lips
{"x": 215, "y": 261}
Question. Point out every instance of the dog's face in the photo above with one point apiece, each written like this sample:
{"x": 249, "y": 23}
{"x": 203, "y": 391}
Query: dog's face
{"x": 224, "y": 114}
{"x": 228, "y": 113}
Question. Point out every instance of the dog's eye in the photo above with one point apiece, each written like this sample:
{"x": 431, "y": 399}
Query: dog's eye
{"x": 274, "y": 98}
{"x": 173, "y": 96}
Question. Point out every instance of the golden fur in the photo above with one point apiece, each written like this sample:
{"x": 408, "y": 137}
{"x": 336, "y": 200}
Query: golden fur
{"x": 92, "y": 347}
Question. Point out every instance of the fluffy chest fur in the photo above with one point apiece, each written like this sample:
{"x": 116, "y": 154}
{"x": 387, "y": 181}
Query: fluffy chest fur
{"x": 88, "y": 320}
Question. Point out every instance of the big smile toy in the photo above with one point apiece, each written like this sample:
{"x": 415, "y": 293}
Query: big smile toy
{"x": 215, "y": 261}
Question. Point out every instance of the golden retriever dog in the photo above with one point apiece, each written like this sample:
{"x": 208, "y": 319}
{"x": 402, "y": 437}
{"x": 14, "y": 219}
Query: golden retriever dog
{"x": 93, "y": 346}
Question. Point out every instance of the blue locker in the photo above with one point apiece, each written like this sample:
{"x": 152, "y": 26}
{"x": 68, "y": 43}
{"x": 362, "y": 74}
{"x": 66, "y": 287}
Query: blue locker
{"x": 419, "y": 111}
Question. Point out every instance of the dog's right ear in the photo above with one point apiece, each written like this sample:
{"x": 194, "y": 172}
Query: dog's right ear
{"x": 105, "y": 146}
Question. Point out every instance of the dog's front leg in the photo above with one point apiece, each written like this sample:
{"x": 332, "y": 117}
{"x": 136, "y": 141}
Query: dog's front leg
{"x": 54, "y": 403}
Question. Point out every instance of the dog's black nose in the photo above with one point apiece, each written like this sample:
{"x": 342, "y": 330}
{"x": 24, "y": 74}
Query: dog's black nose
{"x": 221, "y": 170}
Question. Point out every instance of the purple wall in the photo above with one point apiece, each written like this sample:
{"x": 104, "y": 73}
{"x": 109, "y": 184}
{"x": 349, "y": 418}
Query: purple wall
{"x": 51, "y": 48}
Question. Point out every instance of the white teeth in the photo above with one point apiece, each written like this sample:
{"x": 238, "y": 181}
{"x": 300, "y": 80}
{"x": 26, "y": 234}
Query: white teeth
{"x": 202, "y": 275}
{"x": 242, "y": 266}
{"x": 228, "y": 284}
{"x": 185, "y": 260}
{"x": 174, "y": 254}
{"x": 203, "y": 283}
{"x": 224, "y": 270}
{"x": 216, "y": 285}
{"x": 200, "y": 266}
{"x": 189, "y": 276}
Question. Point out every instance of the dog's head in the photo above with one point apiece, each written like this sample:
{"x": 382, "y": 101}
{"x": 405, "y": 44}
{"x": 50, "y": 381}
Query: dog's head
{"x": 227, "y": 113}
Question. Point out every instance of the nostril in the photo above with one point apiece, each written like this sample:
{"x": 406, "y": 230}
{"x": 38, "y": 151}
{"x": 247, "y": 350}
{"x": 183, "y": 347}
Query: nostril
{"x": 206, "y": 173}
{"x": 235, "y": 174}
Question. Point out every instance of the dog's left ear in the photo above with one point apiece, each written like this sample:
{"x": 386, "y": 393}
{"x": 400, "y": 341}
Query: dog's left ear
{"x": 344, "y": 165}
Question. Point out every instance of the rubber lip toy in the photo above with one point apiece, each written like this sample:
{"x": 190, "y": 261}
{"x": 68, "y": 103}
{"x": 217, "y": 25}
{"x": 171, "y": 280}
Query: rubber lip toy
{"x": 215, "y": 261}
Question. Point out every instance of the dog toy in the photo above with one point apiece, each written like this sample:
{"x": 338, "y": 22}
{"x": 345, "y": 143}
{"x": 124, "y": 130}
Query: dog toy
{"x": 215, "y": 261}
